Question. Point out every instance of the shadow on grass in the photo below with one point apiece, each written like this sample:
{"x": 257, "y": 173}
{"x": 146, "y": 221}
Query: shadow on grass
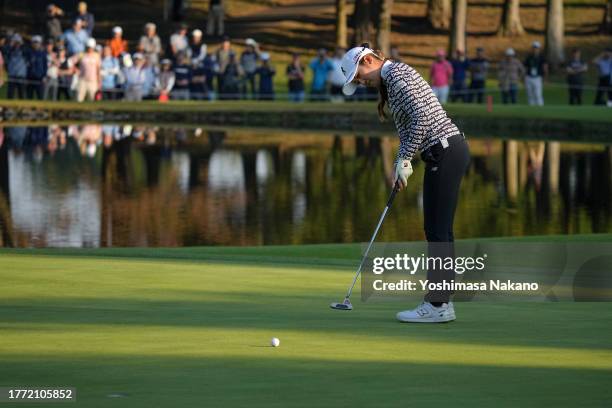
{"x": 520, "y": 324}
{"x": 271, "y": 380}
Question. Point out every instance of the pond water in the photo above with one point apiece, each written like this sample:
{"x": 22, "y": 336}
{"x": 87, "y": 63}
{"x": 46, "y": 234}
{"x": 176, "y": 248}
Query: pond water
{"x": 123, "y": 185}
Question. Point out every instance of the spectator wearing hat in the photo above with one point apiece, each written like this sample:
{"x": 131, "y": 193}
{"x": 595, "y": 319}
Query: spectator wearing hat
{"x": 248, "y": 60}
{"x": 295, "y": 74}
{"x": 53, "y": 24}
{"x": 165, "y": 81}
{"x": 575, "y": 69}
{"x": 510, "y": 72}
{"x": 336, "y": 77}
{"x": 460, "y": 66}
{"x": 89, "y": 69}
{"x": 37, "y": 69}
{"x": 266, "y": 73}
{"x": 150, "y": 44}
{"x": 135, "y": 77}
{"x": 479, "y": 67}
{"x": 117, "y": 44}
{"x": 536, "y": 69}
{"x": 111, "y": 69}
{"x": 86, "y": 17}
{"x": 215, "y": 18}
{"x": 16, "y": 67}
{"x": 197, "y": 48}
{"x": 321, "y": 67}
{"x": 179, "y": 42}
{"x": 440, "y": 76}
{"x": 75, "y": 38}
{"x": 604, "y": 69}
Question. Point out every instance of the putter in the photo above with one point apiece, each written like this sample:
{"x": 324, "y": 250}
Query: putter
{"x": 346, "y": 303}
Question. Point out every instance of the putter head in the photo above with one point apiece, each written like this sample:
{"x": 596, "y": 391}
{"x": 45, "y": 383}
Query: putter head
{"x": 345, "y": 305}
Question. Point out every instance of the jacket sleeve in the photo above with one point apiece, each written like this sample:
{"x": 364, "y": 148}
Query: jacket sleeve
{"x": 410, "y": 114}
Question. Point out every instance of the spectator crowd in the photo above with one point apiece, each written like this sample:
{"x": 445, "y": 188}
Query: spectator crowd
{"x": 449, "y": 79}
{"x": 71, "y": 64}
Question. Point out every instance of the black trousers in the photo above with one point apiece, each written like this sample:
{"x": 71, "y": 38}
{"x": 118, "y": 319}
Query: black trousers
{"x": 603, "y": 87}
{"x": 444, "y": 169}
{"x": 575, "y": 94}
{"x": 477, "y": 88}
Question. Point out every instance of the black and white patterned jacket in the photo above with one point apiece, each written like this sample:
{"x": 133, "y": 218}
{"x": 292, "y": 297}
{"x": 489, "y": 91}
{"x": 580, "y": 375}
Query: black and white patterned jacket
{"x": 419, "y": 118}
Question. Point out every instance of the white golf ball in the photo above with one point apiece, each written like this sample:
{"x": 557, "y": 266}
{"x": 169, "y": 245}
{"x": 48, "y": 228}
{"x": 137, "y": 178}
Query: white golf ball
{"x": 274, "y": 342}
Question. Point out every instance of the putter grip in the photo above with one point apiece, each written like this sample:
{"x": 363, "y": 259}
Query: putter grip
{"x": 393, "y": 193}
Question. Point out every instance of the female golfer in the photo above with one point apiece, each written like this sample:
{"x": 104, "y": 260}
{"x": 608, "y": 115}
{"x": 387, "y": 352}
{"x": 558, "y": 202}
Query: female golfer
{"x": 423, "y": 126}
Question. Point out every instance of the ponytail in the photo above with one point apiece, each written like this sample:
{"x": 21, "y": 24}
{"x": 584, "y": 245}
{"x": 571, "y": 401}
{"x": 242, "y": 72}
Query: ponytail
{"x": 383, "y": 95}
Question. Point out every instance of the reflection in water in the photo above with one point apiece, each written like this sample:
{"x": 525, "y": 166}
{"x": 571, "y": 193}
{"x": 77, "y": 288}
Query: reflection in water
{"x": 264, "y": 167}
{"x": 52, "y": 213}
{"x": 181, "y": 165}
{"x": 226, "y": 171}
{"x": 123, "y": 185}
{"x": 298, "y": 185}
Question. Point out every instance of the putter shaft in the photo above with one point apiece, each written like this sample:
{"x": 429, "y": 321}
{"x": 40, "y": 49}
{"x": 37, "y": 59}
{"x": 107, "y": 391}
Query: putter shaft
{"x": 380, "y": 221}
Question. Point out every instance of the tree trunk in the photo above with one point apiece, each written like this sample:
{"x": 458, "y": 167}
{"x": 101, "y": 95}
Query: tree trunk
{"x": 511, "y": 19}
{"x": 341, "y": 23}
{"x": 362, "y": 21}
{"x": 555, "y": 28}
{"x": 606, "y": 26}
{"x": 458, "y": 26}
{"x": 383, "y": 26}
{"x": 439, "y": 14}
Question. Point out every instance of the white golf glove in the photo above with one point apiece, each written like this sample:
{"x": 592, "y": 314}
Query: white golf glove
{"x": 403, "y": 170}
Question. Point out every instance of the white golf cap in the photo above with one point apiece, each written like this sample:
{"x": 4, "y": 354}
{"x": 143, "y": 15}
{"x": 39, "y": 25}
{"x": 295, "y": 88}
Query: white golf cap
{"x": 138, "y": 56}
{"x": 117, "y": 29}
{"x": 536, "y": 44}
{"x": 196, "y": 33}
{"x": 349, "y": 65}
{"x": 250, "y": 41}
{"x": 264, "y": 56}
{"x": 510, "y": 52}
{"x": 37, "y": 39}
{"x": 91, "y": 43}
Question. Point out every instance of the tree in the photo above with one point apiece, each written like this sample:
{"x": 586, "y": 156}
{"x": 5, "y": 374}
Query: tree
{"x": 458, "y": 26}
{"x": 362, "y": 21}
{"x": 439, "y": 13}
{"x": 383, "y": 26}
{"x": 341, "y": 23}
{"x": 511, "y": 19}
{"x": 606, "y": 26}
{"x": 555, "y": 28}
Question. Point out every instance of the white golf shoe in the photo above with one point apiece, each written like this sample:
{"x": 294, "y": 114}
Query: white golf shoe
{"x": 428, "y": 313}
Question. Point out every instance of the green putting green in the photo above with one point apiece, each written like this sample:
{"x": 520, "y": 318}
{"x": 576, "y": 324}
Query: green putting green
{"x": 191, "y": 327}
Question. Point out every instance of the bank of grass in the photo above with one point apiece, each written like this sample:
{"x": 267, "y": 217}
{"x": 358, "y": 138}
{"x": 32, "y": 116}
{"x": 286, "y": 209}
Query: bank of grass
{"x": 458, "y": 110}
{"x": 190, "y": 327}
